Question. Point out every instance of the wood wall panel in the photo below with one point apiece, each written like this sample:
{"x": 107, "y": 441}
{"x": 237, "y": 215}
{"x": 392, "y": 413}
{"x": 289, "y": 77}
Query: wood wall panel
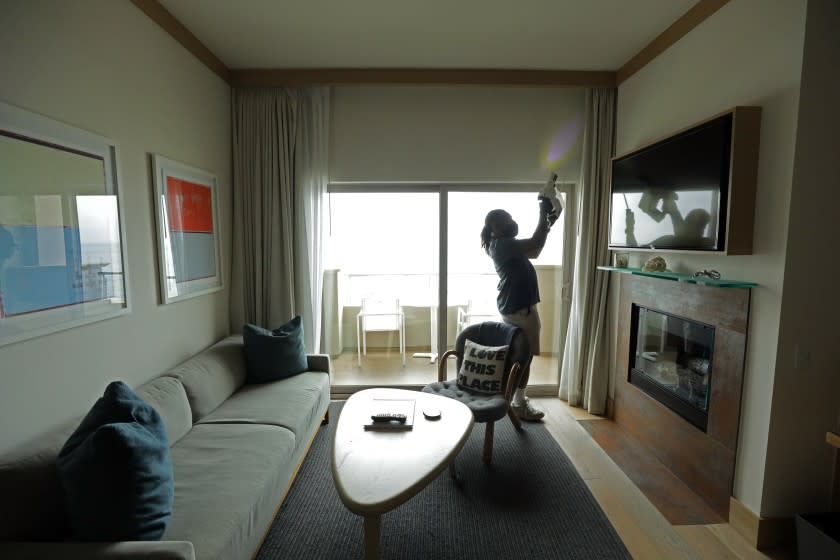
{"x": 703, "y": 464}
{"x": 676, "y": 31}
{"x": 160, "y": 15}
{"x": 273, "y": 77}
{"x": 703, "y": 460}
{"x": 743, "y": 179}
{"x": 727, "y": 382}
{"x": 723, "y": 308}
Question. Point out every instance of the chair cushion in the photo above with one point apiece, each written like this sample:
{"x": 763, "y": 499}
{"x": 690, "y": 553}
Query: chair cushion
{"x": 491, "y": 333}
{"x": 273, "y": 355}
{"x": 485, "y": 408}
{"x": 116, "y": 471}
{"x": 482, "y": 368}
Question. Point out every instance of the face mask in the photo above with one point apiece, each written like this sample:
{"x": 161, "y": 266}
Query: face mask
{"x": 509, "y": 230}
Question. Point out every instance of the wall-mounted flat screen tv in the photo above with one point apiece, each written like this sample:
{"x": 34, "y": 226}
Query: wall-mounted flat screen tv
{"x": 673, "y": 194}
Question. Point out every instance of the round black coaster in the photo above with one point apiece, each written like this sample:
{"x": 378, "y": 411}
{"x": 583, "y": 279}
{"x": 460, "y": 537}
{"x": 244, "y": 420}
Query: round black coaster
{"x": 431, "y": 413}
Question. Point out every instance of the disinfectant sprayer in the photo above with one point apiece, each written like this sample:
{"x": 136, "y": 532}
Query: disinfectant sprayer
{"x": 550, "y": 201}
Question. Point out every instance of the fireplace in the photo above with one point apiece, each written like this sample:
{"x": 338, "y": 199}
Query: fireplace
{"x": 671, "y": 360}
{"x": 702, "y": 456}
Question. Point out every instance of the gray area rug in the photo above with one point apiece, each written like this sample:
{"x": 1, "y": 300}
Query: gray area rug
{"x": 530, "y": 504}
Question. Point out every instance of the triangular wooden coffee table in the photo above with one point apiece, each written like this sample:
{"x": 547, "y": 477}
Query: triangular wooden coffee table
{"x": 375, "y": 471}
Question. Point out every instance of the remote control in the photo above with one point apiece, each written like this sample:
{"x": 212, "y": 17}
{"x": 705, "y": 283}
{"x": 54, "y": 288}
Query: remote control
{"x": 387, "y": 417}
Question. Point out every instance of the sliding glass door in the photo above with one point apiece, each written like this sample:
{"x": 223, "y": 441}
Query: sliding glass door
{"x": 387, "y": 313}
{"x": 381, "y": 260}
{"x": 472, "y": 280}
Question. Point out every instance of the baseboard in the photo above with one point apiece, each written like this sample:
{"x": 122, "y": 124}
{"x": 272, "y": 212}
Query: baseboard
{"x": 764, "y": 533}
{"x": 610, "y": 412}
{"x": 542, "y": 390}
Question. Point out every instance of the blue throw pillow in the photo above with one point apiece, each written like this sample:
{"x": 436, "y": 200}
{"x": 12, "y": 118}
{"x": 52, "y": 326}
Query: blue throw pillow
{"x": 273, "y": 355}
{"x": 116, "y": 471}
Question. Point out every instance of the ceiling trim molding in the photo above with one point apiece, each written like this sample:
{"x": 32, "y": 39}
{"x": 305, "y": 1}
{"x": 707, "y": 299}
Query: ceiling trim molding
{"x": 269, "y": 77}
{"x": 180, "y": 33}
{"x": 679, "y": 29}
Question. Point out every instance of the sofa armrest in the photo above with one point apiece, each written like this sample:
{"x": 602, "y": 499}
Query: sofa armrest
{"x": 318, "y": 362}
{"x": 128, "y": 550}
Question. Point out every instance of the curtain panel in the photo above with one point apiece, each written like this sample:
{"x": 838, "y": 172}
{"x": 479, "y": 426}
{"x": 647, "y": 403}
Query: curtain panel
{"x": 584, "y": 374}
{"x": 280, "y": 159}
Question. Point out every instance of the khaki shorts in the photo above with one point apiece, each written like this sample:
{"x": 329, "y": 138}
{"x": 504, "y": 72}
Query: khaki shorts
{"x": 528, "y": 320}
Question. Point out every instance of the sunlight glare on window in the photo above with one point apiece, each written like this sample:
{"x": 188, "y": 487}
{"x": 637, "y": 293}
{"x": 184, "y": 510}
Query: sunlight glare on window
{"x": 383, "y": 233}
{"x": 387, "y": 243}
{"x": 467, "y": 211}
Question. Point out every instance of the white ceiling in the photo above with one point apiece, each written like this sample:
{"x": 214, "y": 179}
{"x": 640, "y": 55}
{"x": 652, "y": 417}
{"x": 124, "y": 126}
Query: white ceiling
{"x": 503, "y": 34}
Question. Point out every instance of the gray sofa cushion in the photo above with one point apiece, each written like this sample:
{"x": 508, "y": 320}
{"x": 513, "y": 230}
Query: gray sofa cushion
{"x": 229, "y": 479}
{"x": 167, "y": 396}
{"x": 212, "y": 376}
{"x": 293, "y": 403}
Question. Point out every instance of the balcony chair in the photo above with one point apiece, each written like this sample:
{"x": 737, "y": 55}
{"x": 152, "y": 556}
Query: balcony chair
{"x": 476, "y": 311}
{"x": 379, "y": 315}
{"x": 486, "y": 408}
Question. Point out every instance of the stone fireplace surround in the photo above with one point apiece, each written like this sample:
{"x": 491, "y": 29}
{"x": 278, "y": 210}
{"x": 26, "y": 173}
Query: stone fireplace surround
{"x": 705, "y": 462}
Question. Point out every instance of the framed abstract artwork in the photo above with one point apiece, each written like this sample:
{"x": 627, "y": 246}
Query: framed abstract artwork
{"x": 186, "y": 203}
{"x": 62, "y": 237}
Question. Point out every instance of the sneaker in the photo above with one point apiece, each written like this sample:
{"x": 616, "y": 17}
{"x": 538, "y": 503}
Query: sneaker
{"x": 526, "y": 412}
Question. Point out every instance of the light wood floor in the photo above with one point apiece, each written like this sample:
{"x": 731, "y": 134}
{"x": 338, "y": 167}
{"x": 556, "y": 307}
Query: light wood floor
{"x": 644, "y": 530}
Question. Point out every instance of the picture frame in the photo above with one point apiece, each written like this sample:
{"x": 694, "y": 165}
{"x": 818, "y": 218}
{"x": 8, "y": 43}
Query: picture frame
{"x": 186, "y": 214}
{"x": 62, "y": 230}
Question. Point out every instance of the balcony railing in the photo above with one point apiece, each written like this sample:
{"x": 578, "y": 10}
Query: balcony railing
{"x": 420, "y": 289}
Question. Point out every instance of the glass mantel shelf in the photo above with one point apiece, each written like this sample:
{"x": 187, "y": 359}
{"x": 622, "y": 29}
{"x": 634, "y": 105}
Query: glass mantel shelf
{"x": 705, "y": 280}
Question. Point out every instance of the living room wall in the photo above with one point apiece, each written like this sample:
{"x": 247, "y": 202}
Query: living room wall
{"x": 806, "y": 391}
{"x": 747, "y": 53}
{"x": 105, "y": 67}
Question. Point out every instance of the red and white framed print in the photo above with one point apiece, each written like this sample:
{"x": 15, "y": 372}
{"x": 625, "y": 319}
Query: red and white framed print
{"x": 186, "y": 204}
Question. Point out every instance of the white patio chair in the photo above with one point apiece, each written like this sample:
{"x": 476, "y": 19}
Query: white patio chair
{"x": 477, "y": 311}
{"x": 379, "y": 315}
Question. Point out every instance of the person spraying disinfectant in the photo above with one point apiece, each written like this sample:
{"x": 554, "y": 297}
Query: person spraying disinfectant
{"x": 518, "y": 290}
{"x": 549, "y": 193}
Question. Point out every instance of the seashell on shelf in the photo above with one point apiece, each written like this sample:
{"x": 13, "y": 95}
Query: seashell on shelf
{"x": 655, "y": 264}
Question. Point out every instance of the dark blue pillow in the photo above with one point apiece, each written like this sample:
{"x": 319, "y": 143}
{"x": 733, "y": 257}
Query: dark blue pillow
{"x": 273, "y": 355}
{"x": 116, "y": 471}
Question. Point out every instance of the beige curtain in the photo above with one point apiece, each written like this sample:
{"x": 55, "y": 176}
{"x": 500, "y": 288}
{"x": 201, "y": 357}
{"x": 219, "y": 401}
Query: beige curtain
{"x": 584, "y": 374}
{"x": 280, "y": 139}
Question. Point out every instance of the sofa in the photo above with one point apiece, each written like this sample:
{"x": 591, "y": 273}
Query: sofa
{"x": 235, "y": 449}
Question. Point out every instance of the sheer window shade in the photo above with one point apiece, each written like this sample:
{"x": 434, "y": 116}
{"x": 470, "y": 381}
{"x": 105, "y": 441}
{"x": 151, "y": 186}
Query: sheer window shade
{"x": 455, "y": 133}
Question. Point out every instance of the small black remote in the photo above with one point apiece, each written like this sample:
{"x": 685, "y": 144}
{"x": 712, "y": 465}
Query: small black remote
{"x": 388, "y": 416}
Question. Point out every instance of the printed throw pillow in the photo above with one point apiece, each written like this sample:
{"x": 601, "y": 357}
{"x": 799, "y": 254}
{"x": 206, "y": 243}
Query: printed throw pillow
{"x": 482, "y": 368}
{"x": 274, "y": 355}
{"x": 116, "y": 471}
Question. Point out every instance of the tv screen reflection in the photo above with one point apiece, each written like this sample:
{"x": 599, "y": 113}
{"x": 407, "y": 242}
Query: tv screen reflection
{"x": 666, "y": 218}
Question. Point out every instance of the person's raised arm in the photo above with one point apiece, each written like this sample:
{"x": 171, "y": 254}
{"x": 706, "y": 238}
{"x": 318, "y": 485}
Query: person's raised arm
{"x": 533, "y": 246}
{"x": 669, "y": 207}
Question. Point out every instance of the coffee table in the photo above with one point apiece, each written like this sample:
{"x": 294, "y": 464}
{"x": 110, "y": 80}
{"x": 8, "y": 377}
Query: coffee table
{"x": 375, "y": 471}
